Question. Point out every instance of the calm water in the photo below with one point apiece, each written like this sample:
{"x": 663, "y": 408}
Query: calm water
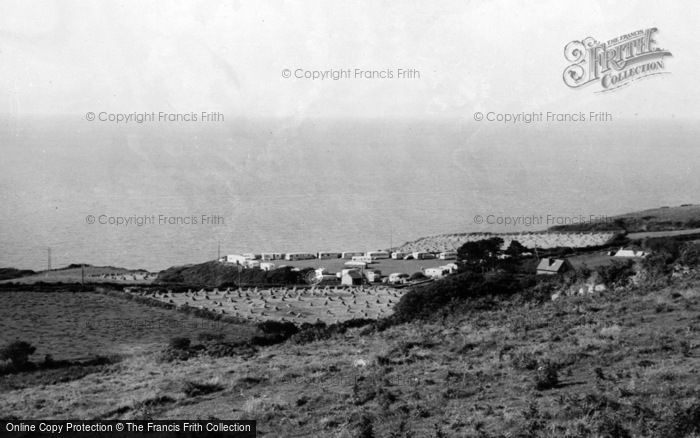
{"x": 305, "y": 186}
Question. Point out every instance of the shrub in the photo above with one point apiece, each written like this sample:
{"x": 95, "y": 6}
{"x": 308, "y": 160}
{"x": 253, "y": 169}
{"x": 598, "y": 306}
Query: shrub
{"x": 681, "y": 422}
{"x": 209, "y": 337}
{"x": 617, "y": 273}
{"x": 285, "y": 329}
{"x": 690, "y": 255}
{"x": 547, "y": 376}
{"x": 228, "y": 349}
{"x": 427, "y": 301}
{"x": 194, "y": 389}
{"x": 364, "y": 427}
{"x": 180, "y": 343}
{"x": 524, "y": 360}
{"x": 17, "y": 353}
{"x": 417, "y": 276}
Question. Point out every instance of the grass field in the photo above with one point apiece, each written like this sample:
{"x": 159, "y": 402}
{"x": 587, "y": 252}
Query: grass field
{"x": 387, "y": 266}
{"x": 328, "y": 304}
{"x": 542, "y": 240}
{"x": 71, "y": 325}
{"x": 671, "y": 233}
{"x": 627, "y": 366}
{"x": 93, "y": 274}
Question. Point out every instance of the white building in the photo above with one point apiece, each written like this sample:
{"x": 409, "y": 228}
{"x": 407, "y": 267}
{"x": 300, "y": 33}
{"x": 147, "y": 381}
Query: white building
{"x": 235, "y": 258}
{"x": 272, "y": 256}
{"x": 267, "y": 266}
{"x": 630, "y": 253}
{"x": 398, "y": 278}
{"x": 373, "y": 275}
{"x": 299, "y": 256}
{"x": 451, "y": 267}
{"x": 438, "y": 272}
{"x": 363, "y": 259}
{"x": 351, "y": 278}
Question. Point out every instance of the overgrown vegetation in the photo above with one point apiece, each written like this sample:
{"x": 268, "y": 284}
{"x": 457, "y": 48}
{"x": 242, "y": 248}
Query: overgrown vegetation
{"x": 216, "y": 274}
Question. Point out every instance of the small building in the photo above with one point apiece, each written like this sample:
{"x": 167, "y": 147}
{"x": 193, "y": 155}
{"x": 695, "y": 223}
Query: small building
{"x": 272, "y": 256}
{"x": 252, "y": 263}
{"x": 422, "y": 255}
{"x": 376, "y": 255}
{"x": 363, "y": 259}
{"x": 398, "y": 278}
{"x": 622, "y": 252}
{"x": 326, "y": 255}
{"x": 373, "y": 275}
{"x": 251, "y": 256}
{"x": 267, "y": 266}
{"x": 438, "y": 272}
{"x": 327, "y": 279}
{"x": 398, "y": 255}
{"x": 299, "y": 256}
{"x": 235, "y": 258}
{"x": 351, "y": 254}
{"x": 451, "y": 267}
{"x": 448, "y": 255}
{"x": 549, "y": 266}
{"x": 351, "y": 278}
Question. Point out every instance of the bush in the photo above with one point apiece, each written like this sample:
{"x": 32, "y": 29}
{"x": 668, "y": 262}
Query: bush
{"x": 209, "y": 337}
{"x": 428, "y": 301}
{"x": 17, "y": 353}
{"x": 617, "y": 273}
{"x": 180, "y": 343}
{"x": 547, "y": 376}
{"x": 285, "y": 329}
{"x": 417, "y": 276}
{"x": 194, "y": 389}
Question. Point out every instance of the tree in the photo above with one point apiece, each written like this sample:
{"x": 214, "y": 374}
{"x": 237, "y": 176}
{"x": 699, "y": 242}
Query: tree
{"x": 481, "y": 252}
{"x": 18, "y": 353}
{"x": 515, "y": 249}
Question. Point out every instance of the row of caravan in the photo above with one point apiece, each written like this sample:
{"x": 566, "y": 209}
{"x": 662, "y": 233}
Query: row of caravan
{"x": 355, "y": 256}
{"x": 242, "y": 259}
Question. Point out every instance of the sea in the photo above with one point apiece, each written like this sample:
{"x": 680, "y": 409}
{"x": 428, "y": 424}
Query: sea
{"x": 283, "y": 185}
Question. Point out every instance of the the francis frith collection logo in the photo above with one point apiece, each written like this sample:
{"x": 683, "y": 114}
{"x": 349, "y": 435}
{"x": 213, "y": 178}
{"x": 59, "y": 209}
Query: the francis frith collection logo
{"x": 614, "y": 63}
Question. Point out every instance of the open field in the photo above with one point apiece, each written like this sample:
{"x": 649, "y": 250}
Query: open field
{"x": 387, "y": 266}
{"x": 297, "y": 305}
{"x": 93, "y": 274}
{"x": 628, "y": 366}
{"x": 71, "y": 325}
{"x": 544, "y": 240}
{"x": 671, "y": 233}
{"x": 593, "y": 260}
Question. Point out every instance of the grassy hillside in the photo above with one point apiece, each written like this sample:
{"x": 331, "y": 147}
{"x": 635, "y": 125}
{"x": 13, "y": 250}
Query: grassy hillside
{"x": 74, "y": 274}
{"x": 686, "y": 216}
{"x": 8, "y": 273}
{"x": 617, "y": 364}
{"x": 216, "y": 274}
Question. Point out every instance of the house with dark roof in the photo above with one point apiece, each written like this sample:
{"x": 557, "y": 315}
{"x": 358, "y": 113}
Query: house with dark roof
{"x": 549, "y": 266}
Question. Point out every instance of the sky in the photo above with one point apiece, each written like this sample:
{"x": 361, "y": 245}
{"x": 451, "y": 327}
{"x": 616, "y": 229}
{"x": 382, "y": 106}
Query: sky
{"x": 70, "y": 57}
